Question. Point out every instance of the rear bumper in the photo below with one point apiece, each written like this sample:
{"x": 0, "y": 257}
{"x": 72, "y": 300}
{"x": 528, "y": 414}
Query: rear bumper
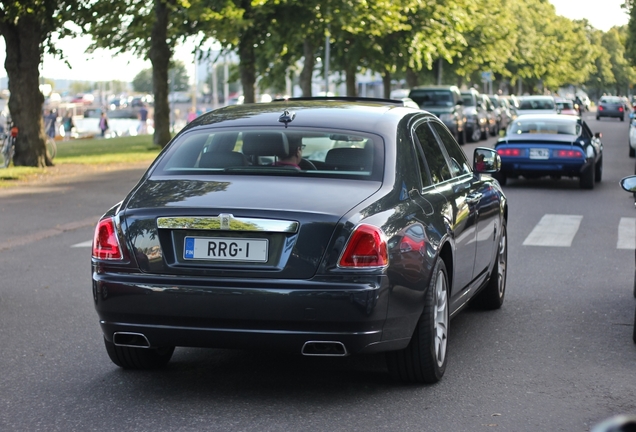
{"x": 545, "y": 167}
{"x": 247, "y": 314}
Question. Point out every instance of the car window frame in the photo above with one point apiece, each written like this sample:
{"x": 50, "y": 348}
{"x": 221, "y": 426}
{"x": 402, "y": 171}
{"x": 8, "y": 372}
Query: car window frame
{"x": 443, "y": 146}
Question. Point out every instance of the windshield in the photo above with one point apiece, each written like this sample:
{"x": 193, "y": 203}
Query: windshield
{"x": 429, "y": 98}
{"x": 276, "y": 152}
{"x": 536, "y": 104}
{"x": 564, "y": 105}
{"x": 540, "y": 126}
{"x": 468, "y": 99}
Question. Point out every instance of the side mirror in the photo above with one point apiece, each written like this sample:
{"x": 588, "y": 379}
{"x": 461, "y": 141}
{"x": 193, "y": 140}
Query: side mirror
{"x": 629, "y": 183}
{"x": 487, "y": 161}
{"x": 598, "y": 135}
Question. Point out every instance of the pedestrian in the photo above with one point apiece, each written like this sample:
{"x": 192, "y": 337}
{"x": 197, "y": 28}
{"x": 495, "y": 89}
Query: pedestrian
{"x": 103, "y": 124}
{"x": 142, "y": 129}
{"x": 50, "y": 120}
{"x": 68, "y": 125}
{"x": 192, "y": 114}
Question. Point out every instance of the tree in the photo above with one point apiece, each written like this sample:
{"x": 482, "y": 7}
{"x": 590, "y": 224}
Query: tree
{"x": 142, "y": 82}
{"x": 27, "y": 27}
{"x": 150, "y": 28}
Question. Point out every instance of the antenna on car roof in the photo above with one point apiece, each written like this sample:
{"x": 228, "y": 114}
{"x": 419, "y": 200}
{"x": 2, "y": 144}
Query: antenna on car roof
{"x": 287, "y": 117}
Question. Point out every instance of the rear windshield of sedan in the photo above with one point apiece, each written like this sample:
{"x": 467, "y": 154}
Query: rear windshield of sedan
{"x": 612, "y": 100}
{"x": 325, "y": 153}
{"x": 550, "y": 127}
{"x": 429, "y": 98}
{"x": 536, "y": 104}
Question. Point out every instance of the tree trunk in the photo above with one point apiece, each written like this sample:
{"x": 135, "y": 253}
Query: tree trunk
{"x": 351, "y": 80}
{"x": 247, "y": 57}
{"x": 386, "y": 83}
{"x": 247, "y": 67}
{"x": 23, "y": 42}
{"x": 308, "y": 68}
{"x": 411, "y": 78}
{"x": 160, "y": 54}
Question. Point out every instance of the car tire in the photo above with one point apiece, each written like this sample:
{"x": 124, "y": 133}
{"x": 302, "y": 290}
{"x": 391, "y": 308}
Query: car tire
{"x": 492, "y": 295}
{"x": 462, "y": 136}
{"x": 598, "y": 170}
{"x": 586, "y": 181}
{"x": 623, "y": 118}
{"x": 598, "y": 118}
{"x": 632, "y": 152}
{"x": 475, "y": 135}
{"x": 138, "y": 358}
{"x": 634, "y": 332}
{"x": 424, "y": 359}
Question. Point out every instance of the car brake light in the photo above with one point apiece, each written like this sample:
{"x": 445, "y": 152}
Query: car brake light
{"x": 569, "y": 154}
{"x": 620, "y": 109}
{"x": 366, "y": 248}
{"x": 600, "y": 108}
{"x": 509, "y": 152}
{"x": 105, "y": 242}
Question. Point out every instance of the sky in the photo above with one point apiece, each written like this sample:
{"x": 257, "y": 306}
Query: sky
{"x": 103, "y": 66}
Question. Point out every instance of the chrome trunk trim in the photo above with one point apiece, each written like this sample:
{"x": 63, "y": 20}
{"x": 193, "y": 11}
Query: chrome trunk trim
{"x": 227, "y": 222}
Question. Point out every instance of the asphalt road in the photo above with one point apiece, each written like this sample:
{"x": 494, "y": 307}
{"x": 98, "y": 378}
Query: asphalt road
{"x": 557, "y": 357}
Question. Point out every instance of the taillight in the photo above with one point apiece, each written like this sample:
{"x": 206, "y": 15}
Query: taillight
{"x": 620, "y": 109}
{"x": 509, "y": 152}
{"x": 366, "y": 248}
{"x": 105, "y": 242}
{"x": 569, "y": 154}
{"x": 600, "y": 108}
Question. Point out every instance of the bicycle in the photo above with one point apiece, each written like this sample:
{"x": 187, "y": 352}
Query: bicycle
{"x": 51, "y": 147}
{"x": 8, "y": 145}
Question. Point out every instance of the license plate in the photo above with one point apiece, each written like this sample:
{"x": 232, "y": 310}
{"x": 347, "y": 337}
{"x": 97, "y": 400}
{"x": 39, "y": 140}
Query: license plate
{"x": 225, "y": 249}
{"x": 539, "y": 154}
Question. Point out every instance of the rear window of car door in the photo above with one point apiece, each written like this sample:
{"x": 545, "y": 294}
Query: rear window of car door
{"x": 459, "y": 163}
{"x": 433, "y": 154}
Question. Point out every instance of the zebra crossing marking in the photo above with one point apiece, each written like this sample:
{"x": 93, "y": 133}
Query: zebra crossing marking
{"x": 626, "y": 234}
{"x": 554, "y": 231}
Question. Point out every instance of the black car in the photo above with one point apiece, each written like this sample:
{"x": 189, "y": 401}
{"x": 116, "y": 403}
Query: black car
{"x": 323, "y": 228}
{"x": 610, "y": 106}
{"x": 476, "y": 115}
{"x": 446, "y": 103}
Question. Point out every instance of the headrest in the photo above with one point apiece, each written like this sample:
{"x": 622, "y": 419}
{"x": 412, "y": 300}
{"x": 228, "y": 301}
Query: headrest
{"x": 350, "y": 158}
{"x": 214, "y": 159}
{"x": 265, "y": 144}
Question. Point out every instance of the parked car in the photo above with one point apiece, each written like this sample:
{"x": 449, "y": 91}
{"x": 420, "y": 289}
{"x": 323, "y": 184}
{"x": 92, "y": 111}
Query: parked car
{"x": 536, "y": 105}
{"x": 504, "y": 113}
{"x": 476, "y": 116}
{"x": 632, "y": 136}
{"x": 610, "y": 106}
{"x": 446, "y": 103}
{"x": 565, "y": 107}
{"x": 629, "y": 184}
{"x": 555, "y": 145}
{"x": 492, "y": 114}
{"x": 233, "y": 239}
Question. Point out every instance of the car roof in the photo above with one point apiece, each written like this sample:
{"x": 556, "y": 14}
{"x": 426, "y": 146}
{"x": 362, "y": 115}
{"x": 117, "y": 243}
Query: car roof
{"x": 361, "y": 114}
{"x": 536, "y": 97}
{"x": 547, "y": 117}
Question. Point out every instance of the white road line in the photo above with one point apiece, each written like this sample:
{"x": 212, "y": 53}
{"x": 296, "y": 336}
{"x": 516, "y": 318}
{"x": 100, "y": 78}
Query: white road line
{"x": 85, "y": 244}
{"x": 554, "y": 230}
{"x": 626, "y": 234}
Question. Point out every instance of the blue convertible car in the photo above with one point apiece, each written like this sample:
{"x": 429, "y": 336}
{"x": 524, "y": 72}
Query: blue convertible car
{"x": 537, "y": 145}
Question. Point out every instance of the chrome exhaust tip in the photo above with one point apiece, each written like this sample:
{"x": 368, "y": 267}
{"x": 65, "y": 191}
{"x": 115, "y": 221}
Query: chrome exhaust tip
{"x": 134, "y": 340}
{"x": 324, "y": 349}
